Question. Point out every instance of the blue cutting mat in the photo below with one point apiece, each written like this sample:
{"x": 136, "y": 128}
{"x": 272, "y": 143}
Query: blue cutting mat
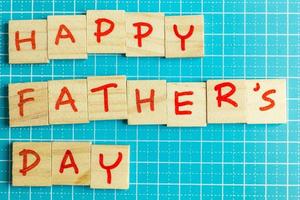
{"x": 243, "y": 39}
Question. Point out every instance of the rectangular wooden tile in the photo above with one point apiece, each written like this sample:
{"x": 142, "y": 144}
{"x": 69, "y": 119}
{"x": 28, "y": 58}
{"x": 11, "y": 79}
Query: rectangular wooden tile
{"x": 106, "y": 31}
{"x": 146, "y": 102}
{"x": 67, "y": 37}
{"x": 27, "y": 41}
{"x": 266, "y": 101}
{"x": 186, "y": 104}
{"x": 71, "y": 163}
{"x": 107, "y": 98}
{"x": 226, "y": 101}
{"x": 37, "y": 170}
{"x": 110, "y": 167}
{"x": 68, "y": 101}
{"x": 28, "y": 104}
{"x": 145, "y": 34}
{"x": 184, "y": 36}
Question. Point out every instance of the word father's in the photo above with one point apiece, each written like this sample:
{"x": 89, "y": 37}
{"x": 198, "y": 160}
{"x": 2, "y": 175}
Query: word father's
{"x": 70, "y": 163}
{"x": 147, "y": 101}
{"x": 105, "y": 31}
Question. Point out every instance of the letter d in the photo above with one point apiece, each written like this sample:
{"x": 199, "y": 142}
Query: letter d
{"x": 27, "y": 167}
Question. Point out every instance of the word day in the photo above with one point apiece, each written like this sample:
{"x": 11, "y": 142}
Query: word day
{"x": 147, "y": 101}
{"x": 105, "y": 31}
{"x": 70, "y": 163}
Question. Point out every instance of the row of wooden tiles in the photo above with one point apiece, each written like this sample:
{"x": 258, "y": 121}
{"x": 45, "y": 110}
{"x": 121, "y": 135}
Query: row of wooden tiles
{"x": 70, "y": 163}
{"x": 100, "y": 31}
{"x": 147, "y": 101}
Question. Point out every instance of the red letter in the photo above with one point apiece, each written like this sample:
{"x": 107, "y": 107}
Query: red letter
{"x": 139, "y": 36}
{"x": 63, "y": 165}
{"x": 70, "y": 100}
{"x": 139, "y": 101}
{"x": 266, "y": 98}
{"x": 225, "y": 97}
{"x": 183, "y": 37}
{"x": 109, "y": 168}
{"x": 26, "y": 168}
{"x": 68, "y": 34}
{"x": 183, "y": 103}
{"x": 105, "y": 93}
{"x": 99, "y": 33}
{"x": 22, "y": 101}
{"x": 18, "y": 40}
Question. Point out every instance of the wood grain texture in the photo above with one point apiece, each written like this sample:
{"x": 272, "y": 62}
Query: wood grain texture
{"x": 65, "y": 114}
{"x": 66, "y": 48}
{"x": 194, "y": 45}
{"x": 81, "y": 154}
{"x": 119, "y": 175}
{"x": 227, "y": 113}
{"x": 39, "y": 175}
{"x": 192, "y": 97}
{"x": 117, "y": 98}
{"x": 114, "y": 42}
{"x": 153, "y": 45}
{"x": 35, "y": 112}
{"x": 260, "y": 94}
{"x": 147, "y": 116}
{"x": 28, "y": 54}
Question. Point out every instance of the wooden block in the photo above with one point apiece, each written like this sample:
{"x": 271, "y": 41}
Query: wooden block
{"x": 67, "y": 37}
{"x": 68, "y": 101}
{"x": 38, "y": 156}
{"x": 186, "y": 104}
{"x": 146, "y": 112}
{"x": 71, "y": 163}
{"x": 112, "y": 158}
{"x": 266, "y": 101}
{"x": 184, "y": 36}
{"x": 106, "y": 31}
{"x": 232, "y": 107}
{"x": 28, "y": 104}
{"x": 107, "y": 98}
{"x": 145, "y": 39}
{"x": 28, "y": 41}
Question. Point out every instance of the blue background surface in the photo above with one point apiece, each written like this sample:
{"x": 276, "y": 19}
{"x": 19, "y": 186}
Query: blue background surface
{"x": 243, "y": 39}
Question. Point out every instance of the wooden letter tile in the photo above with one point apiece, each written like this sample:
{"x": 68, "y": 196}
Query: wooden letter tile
{"x": 186, "y": 104}
{"x": 145, "y": 34}
{"x": 28, "y": 41}
{"x": 71, "y": 163}
{"x": 113, "y": 159}
{"x": 28, "y": 104}
{"x": 266, "y": 101}
{"x": 67, "y": 37}
{"x": 68, "y": 101}
{"x": 37, "y": 171}
{"x": 184, "y": 36}
{"x": 146, "y": 102}
{"x": 226, "y": 101}
{"x": 106, "y": 31}
{"x": 107, "y": 98}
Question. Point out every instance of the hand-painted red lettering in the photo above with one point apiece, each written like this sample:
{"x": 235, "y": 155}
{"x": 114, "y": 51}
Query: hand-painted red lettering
{"x": 140, "y": 36}
{"x": 26, "y": 168}
{"x": 225, "y": 97}
{"x": 266, "y": 97}
{"x": 60, "y": 35}
{"x": 140, "y": 101}
{"x": 72, "y": 164}
{"x": 105, "y": 93}
{"x": 101, "y": 33}
{"x": 183, "y": 38}
{"x": 70, "y": 100}
{"x": 31, "y": 40}
{"x": 23, "y": 100}
{"x": 108, "y": 168}
{"x": 183, "y": 103}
